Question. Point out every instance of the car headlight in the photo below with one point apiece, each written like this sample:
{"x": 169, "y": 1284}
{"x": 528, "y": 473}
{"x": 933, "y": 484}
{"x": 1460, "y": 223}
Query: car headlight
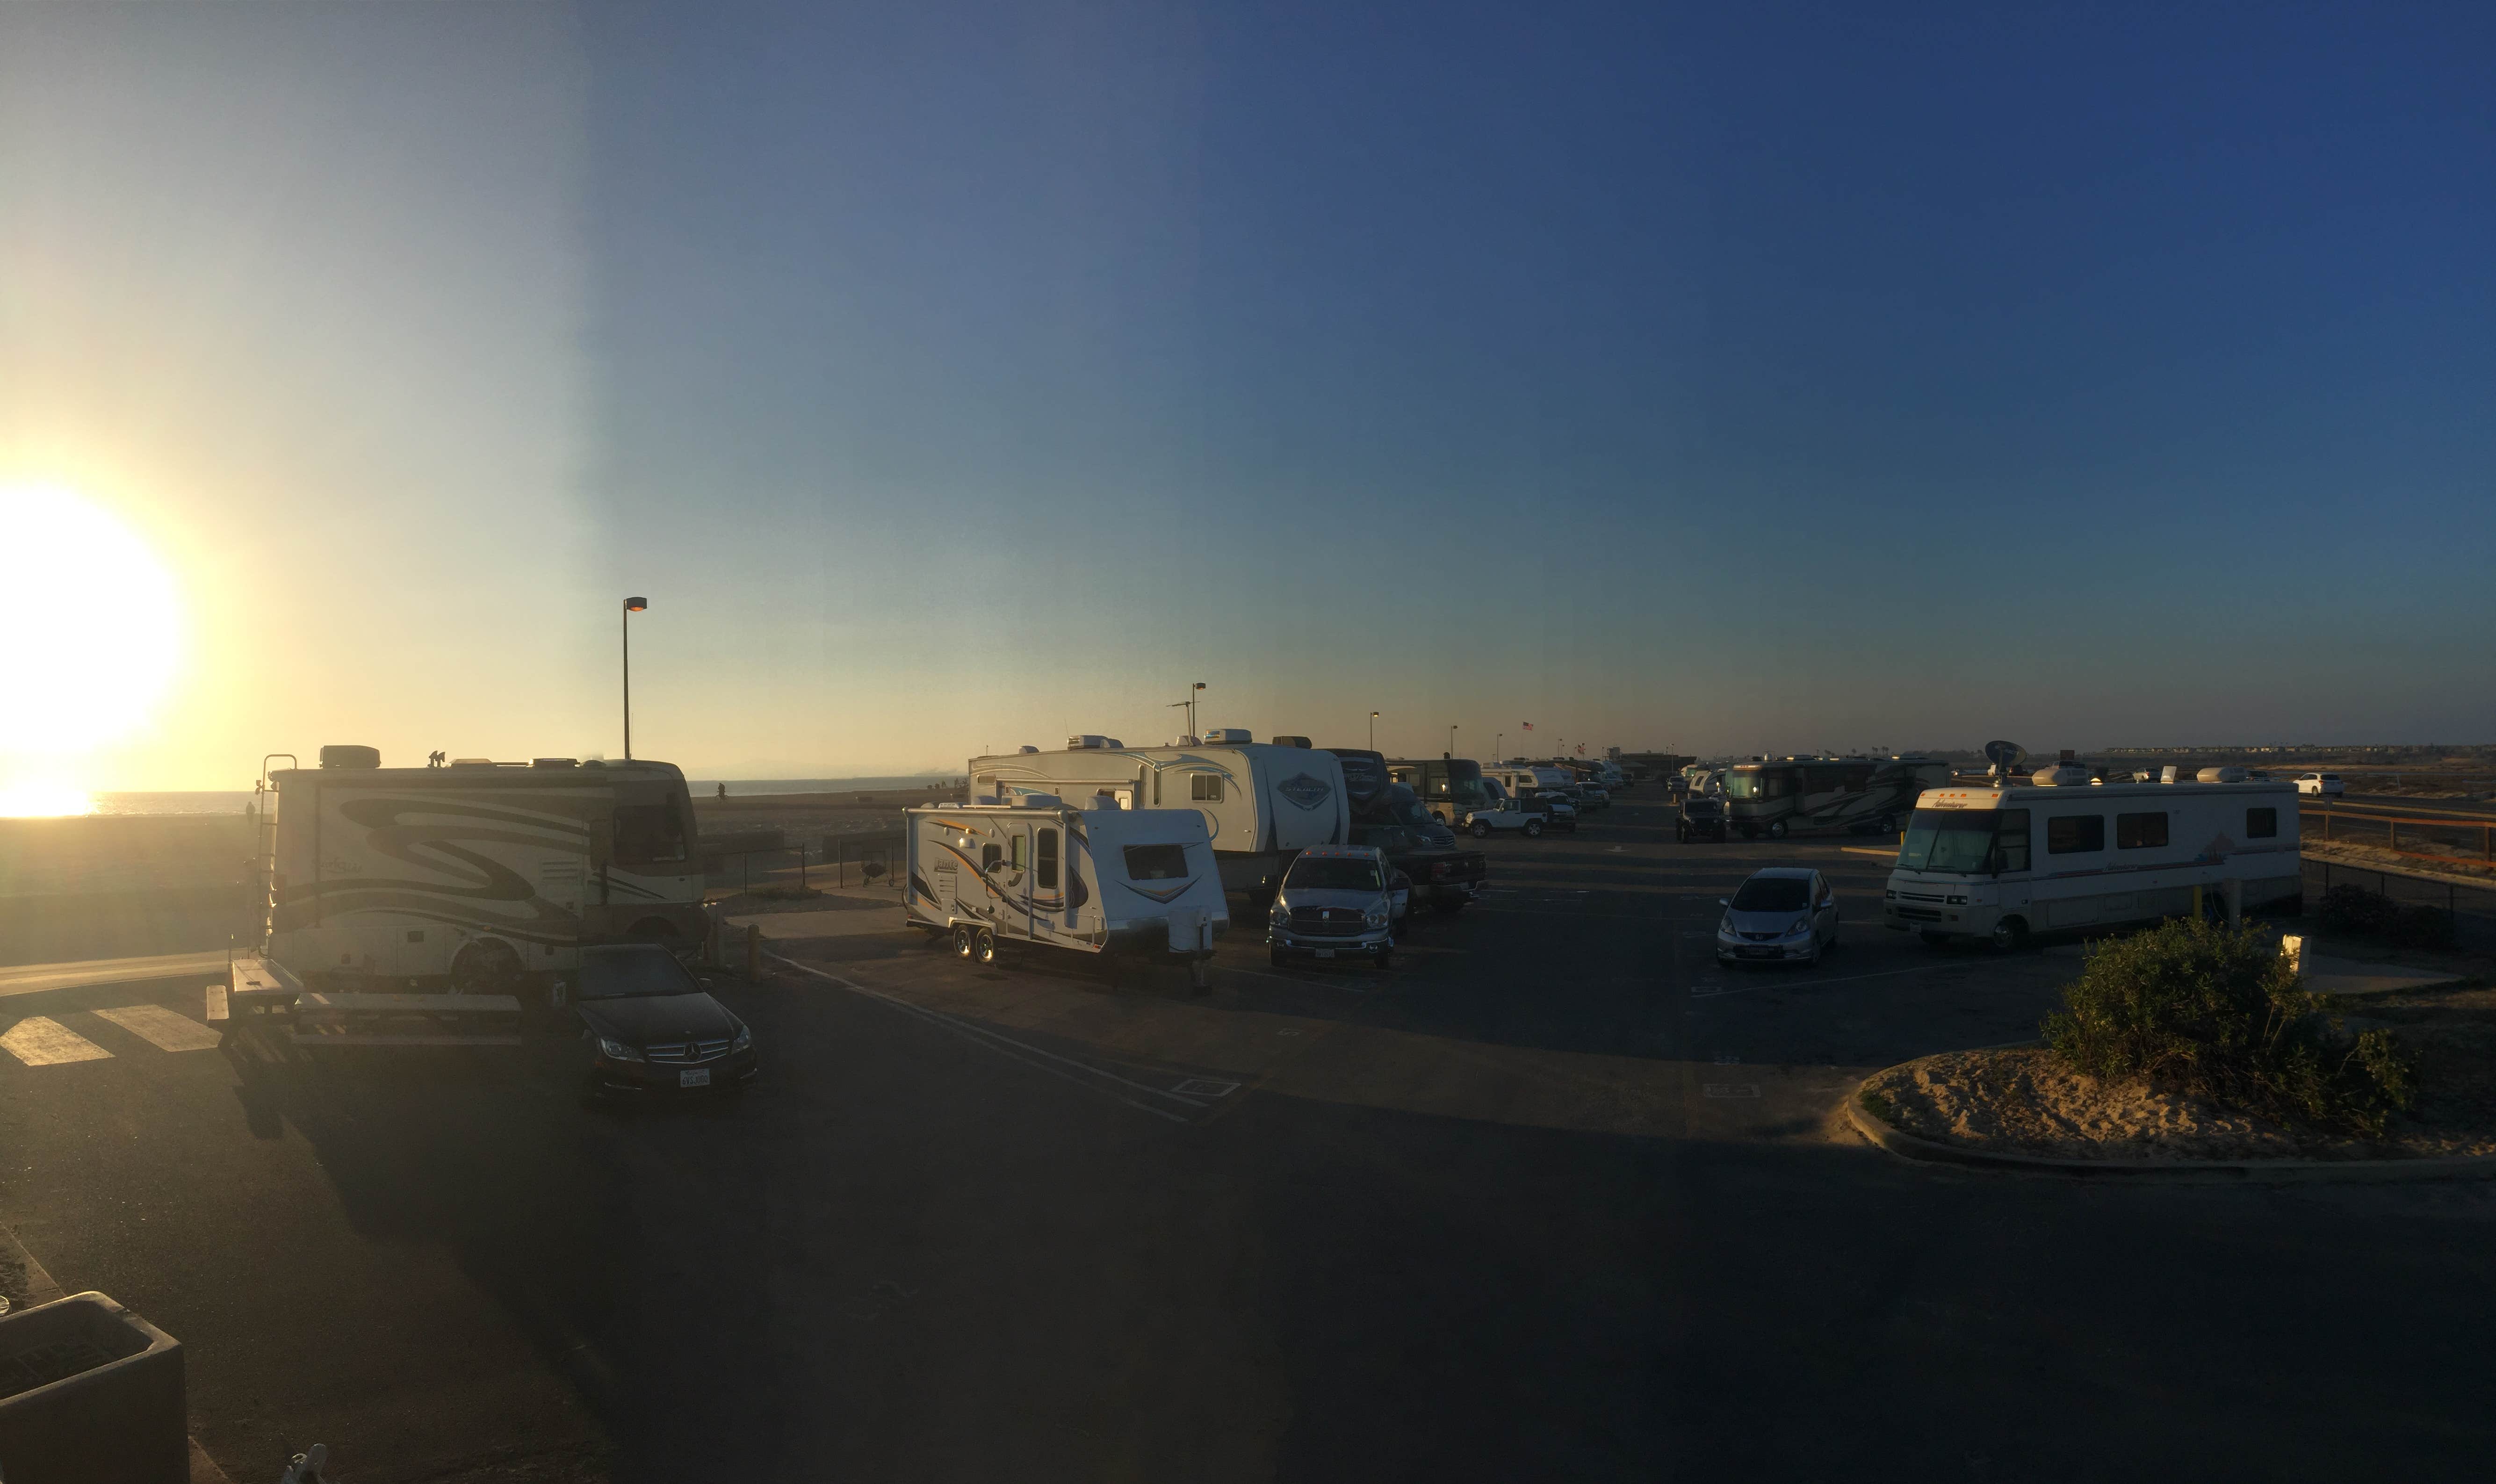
{"x": 1377, "y": 915}
{"x": 1282, "y": 915}
{"x": 1725, "y": 926}
{"x": 1802, "y": 925}
{"x": 616, "y": 1051}
{"x": 744, "y": 1039}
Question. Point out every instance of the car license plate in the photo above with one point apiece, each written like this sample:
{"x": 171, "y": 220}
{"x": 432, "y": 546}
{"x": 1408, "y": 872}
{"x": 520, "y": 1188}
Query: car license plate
{"x": 1326, "y": 953}
{"x": 699, "y": 1079}
{"x": 1756, "y": 952}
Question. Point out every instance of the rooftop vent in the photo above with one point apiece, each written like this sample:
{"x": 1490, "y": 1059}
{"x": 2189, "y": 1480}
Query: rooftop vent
{"x": 554, "y": 762}
{"x": 1227, "y": 734}
{"x": 1028, "y": 748}
{"x": 348, "y": 756}
{"x": 472, "y": 763}
{"x": 2062, "y": 775}
{"x": 1093, "y": 742}
{"x": 1299, "y": 742}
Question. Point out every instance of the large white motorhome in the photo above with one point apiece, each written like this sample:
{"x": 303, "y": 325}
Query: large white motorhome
{"x": 1263, "y": 802}
{"x": 1090, "y": 880}
{"x": 486, "y": 874}
{"x": 2000, "y": 863}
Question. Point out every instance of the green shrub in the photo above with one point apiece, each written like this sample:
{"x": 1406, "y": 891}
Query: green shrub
{"x": 2213, "y": 1011}
{"x": 2352, "y": 909}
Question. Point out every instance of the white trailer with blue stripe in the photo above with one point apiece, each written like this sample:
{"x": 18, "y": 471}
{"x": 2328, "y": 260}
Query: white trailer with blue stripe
{"x": 1032, "y": 870}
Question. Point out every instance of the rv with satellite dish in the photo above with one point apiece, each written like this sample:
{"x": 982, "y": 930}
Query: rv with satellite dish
{"x": 2064, "y": 852}
{"x": 1781, "y": 797}
{"x": 1031, "y": 870}
{"x": 1263, "y": 802}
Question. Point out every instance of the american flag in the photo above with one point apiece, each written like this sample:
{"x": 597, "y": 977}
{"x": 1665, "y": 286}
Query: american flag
{"x": 1529, "y": 725}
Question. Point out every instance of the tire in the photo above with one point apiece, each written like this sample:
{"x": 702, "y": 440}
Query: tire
{"x": 1887, "y": 825}
{"x": 488, "y": 966}
{"x": 2009, "y": 935}
{"x": 1277, "y": 957}
{"x": 1534, "y": 829}
{"x": 1384, "y": 958}
{"x": 1776, "y": 829}
{"x": 1200, "y": 975}
{"x": 1482, "y": 830}
{"x": 963, "y": 943}
{"x": 985, "y": 949}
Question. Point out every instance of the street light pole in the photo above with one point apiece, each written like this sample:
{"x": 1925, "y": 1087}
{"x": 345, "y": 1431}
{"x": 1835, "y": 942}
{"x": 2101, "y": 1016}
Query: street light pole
{"x": 1451, "y": 740}
{"x": 1498, "y": 739}
{"x": 1373, "y": 732}
{"x": 632, "y": 606}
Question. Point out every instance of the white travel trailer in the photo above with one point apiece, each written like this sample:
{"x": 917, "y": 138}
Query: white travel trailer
{"x": 483, "y": 873}
{"x": 1263, "y": 802}
{"x": 1090, "y": 880}
{"x": 2000, "y": 863}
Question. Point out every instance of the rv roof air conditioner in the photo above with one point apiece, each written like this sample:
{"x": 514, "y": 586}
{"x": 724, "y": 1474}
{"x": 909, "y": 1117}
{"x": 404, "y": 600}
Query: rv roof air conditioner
{"x": 1037, "y": 801}
{"x": 2221, "y": 776}
{"x": 1299, "y": 742}
{"x": 1028, "y": 748}
{"x": 1091, "y": 742}
{"x": 1228, "y": 735}
{"x": 2062, "y": 775}
{"x": 349, "y": 756}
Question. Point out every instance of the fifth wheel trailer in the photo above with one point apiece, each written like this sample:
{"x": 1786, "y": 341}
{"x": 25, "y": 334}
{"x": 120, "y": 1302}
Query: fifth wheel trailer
{"x": 483, "y": 875}
{"x": 1263, "y": 802}
{"x": 2001, "y": 863}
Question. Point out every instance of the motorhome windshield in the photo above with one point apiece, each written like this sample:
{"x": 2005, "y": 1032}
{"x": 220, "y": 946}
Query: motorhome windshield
{"x": 1957, "y": 840}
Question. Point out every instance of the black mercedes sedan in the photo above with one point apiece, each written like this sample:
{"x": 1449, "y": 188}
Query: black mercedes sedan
{"x": 653, "y": 1030}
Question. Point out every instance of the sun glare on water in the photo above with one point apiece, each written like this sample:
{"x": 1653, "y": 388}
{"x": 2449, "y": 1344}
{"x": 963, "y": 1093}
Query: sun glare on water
{"x": 93, "y": 634}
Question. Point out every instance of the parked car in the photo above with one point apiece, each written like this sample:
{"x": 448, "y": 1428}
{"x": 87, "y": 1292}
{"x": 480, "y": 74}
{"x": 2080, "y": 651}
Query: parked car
{"x": 1782, "y": 914}
{"x": 1701, "y": 817}
{"x": 1442, "y": 876}
{"x": 1593, "y": 795}
{"x": 1337, "y": 902}
{"x": 1554, "y": 806}
{"x": 1502, "y": 813}
{"x": 649, "y": 1028}
{"x": 2319, "y": 783}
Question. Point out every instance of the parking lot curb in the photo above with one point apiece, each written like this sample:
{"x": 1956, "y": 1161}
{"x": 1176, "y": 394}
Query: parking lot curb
{"x": 1918, "y": 1150}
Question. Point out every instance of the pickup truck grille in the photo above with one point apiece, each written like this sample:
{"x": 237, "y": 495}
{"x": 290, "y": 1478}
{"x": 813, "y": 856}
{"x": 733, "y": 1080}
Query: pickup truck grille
{"x": 688, "y": 1053}
{"x": 1328, "y": 921}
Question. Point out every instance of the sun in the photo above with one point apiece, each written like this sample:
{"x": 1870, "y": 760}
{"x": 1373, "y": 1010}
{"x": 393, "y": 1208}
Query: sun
{"x": 93, "y": 626}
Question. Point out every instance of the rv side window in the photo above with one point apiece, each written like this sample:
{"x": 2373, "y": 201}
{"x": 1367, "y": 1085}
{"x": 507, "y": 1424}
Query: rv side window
{"x": 1014, "y": 851}
{"x": 1824, "y": 779}
{"x": 1858, "y": 779}
{"x": 2072, "y": 834}
{"x": 647, "y": 835}
{"x": 1156, "y": 862}
{"x": 2010, "y": 841}
{"x": 1048, "y": 854}
{"x": 989, "y": 856}
{"x": 1777, "y": 785}
{"x": 1205, "y": 787}
{"x": 2262, "y": 824}
{"x": 2139, "y": 831}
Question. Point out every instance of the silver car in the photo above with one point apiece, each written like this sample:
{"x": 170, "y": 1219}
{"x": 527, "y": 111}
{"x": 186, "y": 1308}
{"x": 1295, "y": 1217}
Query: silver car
{"x": 1782, "y": 914}
{"x": 1337, "y": 902}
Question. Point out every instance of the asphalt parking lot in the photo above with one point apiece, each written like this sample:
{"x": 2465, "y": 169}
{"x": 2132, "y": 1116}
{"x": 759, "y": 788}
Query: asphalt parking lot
{"x": 1556, "y": 1196}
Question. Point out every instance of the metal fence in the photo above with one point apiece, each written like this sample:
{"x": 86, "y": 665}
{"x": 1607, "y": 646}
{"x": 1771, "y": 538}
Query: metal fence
{"x": 2473, "y": 906}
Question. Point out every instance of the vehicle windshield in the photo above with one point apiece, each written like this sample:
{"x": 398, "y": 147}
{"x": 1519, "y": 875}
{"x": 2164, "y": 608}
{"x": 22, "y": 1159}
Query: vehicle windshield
{"x": 1773, "y": 895}
{"x": 1332, "y": 873}
{"x": 631, "y": 974}
{"x": 1742, "y": 786}
{"x": 1958, "y": 839}
{"x": 1405, "y": 806}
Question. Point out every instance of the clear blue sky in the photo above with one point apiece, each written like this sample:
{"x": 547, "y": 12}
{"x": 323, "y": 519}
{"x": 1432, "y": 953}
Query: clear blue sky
{"x": 1735, "y": 377}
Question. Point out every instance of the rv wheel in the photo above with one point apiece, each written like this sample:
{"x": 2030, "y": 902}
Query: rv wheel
{"x": 1777, "y": 829}
{"x": 963, "y": 943}
{"x": 986, "y": 948}
{"x": 488, "y": 966}
{"x": 1889, "y": 825}
{"x": 2010, "y": 933}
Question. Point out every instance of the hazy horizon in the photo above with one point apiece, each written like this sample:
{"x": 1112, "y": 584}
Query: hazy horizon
{"x": 954, "y": 378}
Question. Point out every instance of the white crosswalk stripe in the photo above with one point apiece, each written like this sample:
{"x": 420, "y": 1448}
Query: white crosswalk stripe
{"x": 167, "y": 1028}
{"x": 38, "y": 1040}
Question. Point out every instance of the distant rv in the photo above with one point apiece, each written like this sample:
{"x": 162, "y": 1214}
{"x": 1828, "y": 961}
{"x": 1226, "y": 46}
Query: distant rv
{"x": 1826, "y": 795}
{"x": 1263, "y": 802}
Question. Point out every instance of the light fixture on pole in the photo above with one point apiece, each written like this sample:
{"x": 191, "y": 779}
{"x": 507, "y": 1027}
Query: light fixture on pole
{"x": 632, "y": 606}
{"x": 1373, "y": 732}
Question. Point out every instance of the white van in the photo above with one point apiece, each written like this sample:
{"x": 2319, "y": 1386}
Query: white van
{"x": 2001, "y": 863}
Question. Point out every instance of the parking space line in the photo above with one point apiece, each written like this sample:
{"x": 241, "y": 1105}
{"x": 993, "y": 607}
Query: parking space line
{"x": 38, "y": 1040}
{"x": 164, "y": 1029}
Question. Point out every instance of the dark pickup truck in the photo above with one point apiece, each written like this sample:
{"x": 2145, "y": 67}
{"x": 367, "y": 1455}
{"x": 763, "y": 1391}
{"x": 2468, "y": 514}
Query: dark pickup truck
{"x": 1443, "y": 877}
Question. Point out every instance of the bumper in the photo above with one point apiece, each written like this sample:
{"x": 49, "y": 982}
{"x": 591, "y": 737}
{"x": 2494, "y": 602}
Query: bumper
{"x": 1965, "y": 919}
{"x": 1367, "y": 943}
{"x": 667, "y": 1079}
{"x": 1741, "y": 951}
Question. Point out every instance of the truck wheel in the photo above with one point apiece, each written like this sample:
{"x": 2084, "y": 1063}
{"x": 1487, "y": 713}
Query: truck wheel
{"x": 1777, "y": 829}
{"x": 1533, "y": 829}
{"x": 963, "y": 944}
{"x": 1482, "y": 830}
{"x": 1385, "y": 958}
{"x": 1277, "y": 957}
{"x": 2009, "y": 934}
{"x": 985, "y": 949}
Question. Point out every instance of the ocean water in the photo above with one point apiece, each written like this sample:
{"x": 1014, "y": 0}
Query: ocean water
{"x": 236, "y": 801}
